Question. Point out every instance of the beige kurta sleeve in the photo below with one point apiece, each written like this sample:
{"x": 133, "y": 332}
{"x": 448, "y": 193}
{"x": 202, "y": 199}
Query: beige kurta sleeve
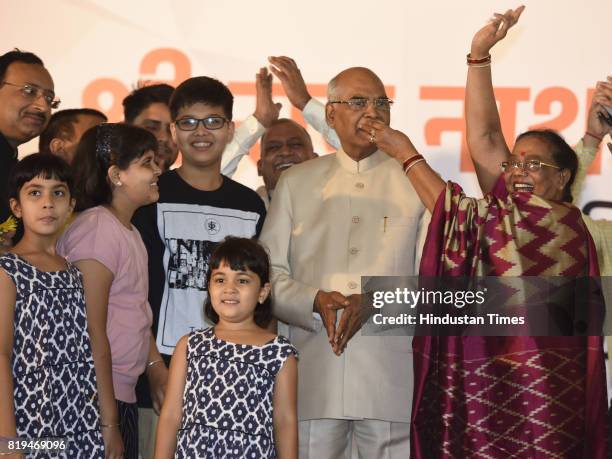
{"x": 245, "y": 136}
{"x": 314, "y": 114}
{"x": 292, "y": 300}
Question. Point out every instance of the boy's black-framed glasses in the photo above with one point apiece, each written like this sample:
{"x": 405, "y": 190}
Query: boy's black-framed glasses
{"x": 210, "y": 122}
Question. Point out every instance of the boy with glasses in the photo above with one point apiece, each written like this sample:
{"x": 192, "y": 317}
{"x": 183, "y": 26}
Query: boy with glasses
{"x": 148, "y": 108}
{"x": 197, "y": 208}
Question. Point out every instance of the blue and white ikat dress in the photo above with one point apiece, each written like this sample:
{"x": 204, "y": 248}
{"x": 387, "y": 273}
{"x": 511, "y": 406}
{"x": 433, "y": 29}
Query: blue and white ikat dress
{"x": 54, "y": 381}
{"x": 227, "y": 402}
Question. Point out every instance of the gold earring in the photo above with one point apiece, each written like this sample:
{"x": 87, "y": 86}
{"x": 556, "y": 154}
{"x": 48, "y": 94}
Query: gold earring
{"x": 118, "y": 183}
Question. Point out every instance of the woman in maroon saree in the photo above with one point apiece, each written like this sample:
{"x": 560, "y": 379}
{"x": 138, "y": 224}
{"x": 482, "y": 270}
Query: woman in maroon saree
{"x": 501, "y": 397}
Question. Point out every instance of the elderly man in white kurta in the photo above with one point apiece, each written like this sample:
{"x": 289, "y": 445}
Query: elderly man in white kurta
{"x": 334, "y": 219}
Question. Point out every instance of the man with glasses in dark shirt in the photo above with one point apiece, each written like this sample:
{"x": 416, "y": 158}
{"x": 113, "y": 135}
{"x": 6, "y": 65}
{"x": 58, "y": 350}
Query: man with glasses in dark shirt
{"x": 26, "y": 100}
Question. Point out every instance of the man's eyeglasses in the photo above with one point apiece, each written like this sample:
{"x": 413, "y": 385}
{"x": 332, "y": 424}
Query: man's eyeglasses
{"x": 360, "y": 103}
{"x": 33, "y": 92}
{"x": 531, "y": 165}
{"x": 191, "y": 124}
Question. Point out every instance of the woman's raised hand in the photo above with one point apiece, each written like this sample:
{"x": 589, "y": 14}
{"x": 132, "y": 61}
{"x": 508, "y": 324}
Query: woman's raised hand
{"x": 494, "y": 31}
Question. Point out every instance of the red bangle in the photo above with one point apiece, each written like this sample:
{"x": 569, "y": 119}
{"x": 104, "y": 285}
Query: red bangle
{"x": 594, "y": 136}
{"x": 482, "y": 60}
{"x": 406, "y": 164}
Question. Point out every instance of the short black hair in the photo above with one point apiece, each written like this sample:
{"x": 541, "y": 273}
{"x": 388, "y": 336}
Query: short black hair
{"x": 103, "y": 146}
{"x": 61, "y": 125}
{"x": 17, "y": 56}
{"x": 39, "y": 165}
{"x": 203, "y": 90}
{"x": 563, "y": 155}
{"x": 242, "y": 254}
{"x": 141, "y": 98}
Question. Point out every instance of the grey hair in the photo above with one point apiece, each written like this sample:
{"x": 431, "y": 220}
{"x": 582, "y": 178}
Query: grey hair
{"x": 332, "y": 87}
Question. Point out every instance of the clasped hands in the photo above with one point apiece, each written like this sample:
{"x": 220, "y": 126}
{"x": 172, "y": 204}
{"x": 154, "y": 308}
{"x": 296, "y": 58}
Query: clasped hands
{"x": 354, "y": 314}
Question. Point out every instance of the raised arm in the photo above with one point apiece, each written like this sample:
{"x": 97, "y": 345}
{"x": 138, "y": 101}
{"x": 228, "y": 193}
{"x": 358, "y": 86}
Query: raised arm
{"x": 597, "y": 129}
{"x": 287, "y": 71}
{"x": 396, "y": 144}
{"x": 599, "y": 123}
{"x": 254, "y": 126}
{"x": 485, "y": 139}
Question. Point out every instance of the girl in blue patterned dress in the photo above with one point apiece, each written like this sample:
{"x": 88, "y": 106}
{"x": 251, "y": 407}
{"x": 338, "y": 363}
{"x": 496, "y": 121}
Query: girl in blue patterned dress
{"x": 47, "y": 371}
{"x": 232, "y": 388}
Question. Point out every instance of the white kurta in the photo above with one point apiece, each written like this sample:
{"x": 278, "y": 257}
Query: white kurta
{"x": 333, "y": 220}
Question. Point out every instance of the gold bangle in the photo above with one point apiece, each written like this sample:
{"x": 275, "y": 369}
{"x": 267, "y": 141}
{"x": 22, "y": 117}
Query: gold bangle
{"x": 410, "y": 160}
{"x": 487, "y": 64}
{"x": 482, "y": 60}
{"x": 413, "y": 164}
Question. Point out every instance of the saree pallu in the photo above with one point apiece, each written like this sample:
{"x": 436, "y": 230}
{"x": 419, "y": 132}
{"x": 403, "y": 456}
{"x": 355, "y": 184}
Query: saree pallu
{"x": 503, "y": 397}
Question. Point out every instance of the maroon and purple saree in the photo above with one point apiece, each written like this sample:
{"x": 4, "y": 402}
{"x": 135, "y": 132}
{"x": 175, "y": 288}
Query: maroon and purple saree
{"x": 502, "y": 397}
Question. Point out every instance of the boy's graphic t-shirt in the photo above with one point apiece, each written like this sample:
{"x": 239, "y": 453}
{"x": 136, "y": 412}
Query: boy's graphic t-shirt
{"x": 180, "y": 232}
